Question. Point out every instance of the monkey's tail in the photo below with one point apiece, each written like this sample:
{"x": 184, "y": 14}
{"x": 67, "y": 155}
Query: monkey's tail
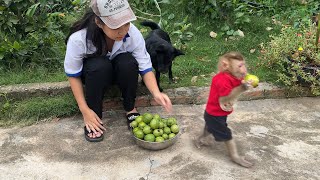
{"x": 150, "y": 24}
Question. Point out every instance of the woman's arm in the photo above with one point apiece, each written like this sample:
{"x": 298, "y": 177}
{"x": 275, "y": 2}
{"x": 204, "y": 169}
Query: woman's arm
{"x": 161, "y": 98}
{"x": 91, "y": 120}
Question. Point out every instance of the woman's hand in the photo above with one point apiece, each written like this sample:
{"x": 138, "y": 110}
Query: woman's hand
{"x": 163, "y": 100}
{"x": 92, "y": 122}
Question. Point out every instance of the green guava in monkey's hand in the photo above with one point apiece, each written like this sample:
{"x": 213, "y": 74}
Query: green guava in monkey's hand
{"x": 253, "y": 79}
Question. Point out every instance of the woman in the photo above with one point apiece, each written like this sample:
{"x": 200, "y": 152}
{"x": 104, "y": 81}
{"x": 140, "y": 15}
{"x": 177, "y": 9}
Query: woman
{"x": 104, "y": 48}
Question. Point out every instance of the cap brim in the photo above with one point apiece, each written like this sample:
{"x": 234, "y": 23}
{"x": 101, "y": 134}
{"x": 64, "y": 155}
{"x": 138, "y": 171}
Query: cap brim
{"x": 117, "y": 20}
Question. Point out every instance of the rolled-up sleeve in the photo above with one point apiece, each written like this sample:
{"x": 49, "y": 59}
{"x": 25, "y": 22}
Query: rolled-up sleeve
{"x": 143, "y": 58}
{"x": 73, "y": 61}
{"x": 140, "y": 52}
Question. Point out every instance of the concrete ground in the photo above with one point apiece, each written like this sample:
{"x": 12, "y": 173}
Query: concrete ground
{"x": 281, "y": 137}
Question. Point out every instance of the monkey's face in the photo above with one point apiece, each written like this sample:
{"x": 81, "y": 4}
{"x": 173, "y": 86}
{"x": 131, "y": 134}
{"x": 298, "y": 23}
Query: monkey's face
{"x": 238, "y": 69}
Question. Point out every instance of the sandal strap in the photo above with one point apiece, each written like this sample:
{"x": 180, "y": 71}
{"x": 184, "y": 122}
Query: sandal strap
{"x": 132, "y": 116}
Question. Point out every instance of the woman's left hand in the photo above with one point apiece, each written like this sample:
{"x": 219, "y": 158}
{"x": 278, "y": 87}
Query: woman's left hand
{"x": 163, "y": 100}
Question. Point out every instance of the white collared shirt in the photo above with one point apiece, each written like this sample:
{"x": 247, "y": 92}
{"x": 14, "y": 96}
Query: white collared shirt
{"x": 77, "y": 49}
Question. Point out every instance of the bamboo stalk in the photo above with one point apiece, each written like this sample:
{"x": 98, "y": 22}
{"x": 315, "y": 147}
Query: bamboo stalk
{"x": 318, "y": 32}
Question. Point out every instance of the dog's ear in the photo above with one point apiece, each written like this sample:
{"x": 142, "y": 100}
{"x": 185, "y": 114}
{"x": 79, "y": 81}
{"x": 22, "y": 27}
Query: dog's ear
{"x": 177, "y": 52}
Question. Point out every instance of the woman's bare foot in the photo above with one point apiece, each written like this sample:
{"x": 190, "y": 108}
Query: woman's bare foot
{"x": 134, "y": 110}
{"x": 242, "y": 162}
{"x": 93, "y": 135}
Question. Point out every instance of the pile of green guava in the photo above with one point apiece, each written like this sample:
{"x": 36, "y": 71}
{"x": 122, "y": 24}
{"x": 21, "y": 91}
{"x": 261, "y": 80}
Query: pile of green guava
{"x": 152, "y": 128}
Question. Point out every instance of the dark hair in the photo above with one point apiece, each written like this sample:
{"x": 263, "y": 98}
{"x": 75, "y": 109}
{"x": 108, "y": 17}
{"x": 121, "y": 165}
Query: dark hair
{"x": 94, "y": 33}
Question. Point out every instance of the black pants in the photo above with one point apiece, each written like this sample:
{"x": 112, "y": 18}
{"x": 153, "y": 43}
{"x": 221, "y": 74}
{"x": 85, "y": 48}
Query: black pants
{"x": 99, "y": 74}
{"x": 218, "y": 127}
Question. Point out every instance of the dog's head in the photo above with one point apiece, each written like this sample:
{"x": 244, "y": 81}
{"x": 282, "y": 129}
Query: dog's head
{"x": 163, "y": 55}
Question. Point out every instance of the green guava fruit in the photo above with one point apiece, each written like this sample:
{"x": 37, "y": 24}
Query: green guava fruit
{"x": 254, "y": 79}
{"x": 139, "y": 119}
{"x": 166, "y": 130}
{"x": 172, "y": 135}
{"x": 156, "y": 116}
{"x": 171, "y": 121}
{"x": 135, "y": 129}
{"x": 139, "y": 134}
{"x": 154, "y": 124}
{"x": 134, "y": 124}
{"x": 149, "y": 138}
{"x": 157, "y": 132}
{"x": 159, "y": 139}
{"x": 147, "y": 130}
{"x": 164, "y": 122}
{"x": 161, "y": 124}
{"x": 175, "y": 128}
{"x": 141, "y": 125}
{"x": 147, "y": 117}
{"x": 165, "y": 136}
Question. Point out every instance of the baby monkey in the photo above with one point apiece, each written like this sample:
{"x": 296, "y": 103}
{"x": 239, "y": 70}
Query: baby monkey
{"x": 226, "y": 86}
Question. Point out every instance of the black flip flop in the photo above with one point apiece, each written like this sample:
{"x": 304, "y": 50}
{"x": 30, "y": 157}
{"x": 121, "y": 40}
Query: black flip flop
{"x": 90, "y": 139}
{"x": 131, "y": 117}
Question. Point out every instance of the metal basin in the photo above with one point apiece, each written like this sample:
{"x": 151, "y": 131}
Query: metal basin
{"x": 156, "y": 145}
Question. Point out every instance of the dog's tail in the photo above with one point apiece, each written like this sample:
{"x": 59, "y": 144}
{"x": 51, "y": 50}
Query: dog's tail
{"x": 150, "y": 24}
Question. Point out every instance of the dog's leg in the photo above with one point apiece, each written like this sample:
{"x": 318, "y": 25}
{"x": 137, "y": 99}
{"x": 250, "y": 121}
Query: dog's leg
{"x": 158, "y": 80}
{"x": 170, "y": 74}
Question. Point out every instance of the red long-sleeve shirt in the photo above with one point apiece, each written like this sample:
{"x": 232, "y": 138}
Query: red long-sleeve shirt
{"x": 221, "y": 85}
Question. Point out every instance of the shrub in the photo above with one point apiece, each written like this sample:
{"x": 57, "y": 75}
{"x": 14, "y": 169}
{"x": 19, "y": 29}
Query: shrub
{"x": 32, "y": 32}
{"x": 294, "y": 55}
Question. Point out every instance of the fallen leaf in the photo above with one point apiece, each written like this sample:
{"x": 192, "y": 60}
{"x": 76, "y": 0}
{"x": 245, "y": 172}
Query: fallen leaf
{"x": 194, "y": 79}
{"x": 143, "y": 30}
{"x": 252, "y": 50}
{"x": 56, "y": 119}
{"x": 269, "y": 28}
{"x": 241, "y": 34}
{"x": 213, "y": 34}
{"x": 212, "y": 74}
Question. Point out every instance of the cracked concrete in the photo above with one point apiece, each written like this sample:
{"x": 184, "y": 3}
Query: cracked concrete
{"x": 281, "y": 136}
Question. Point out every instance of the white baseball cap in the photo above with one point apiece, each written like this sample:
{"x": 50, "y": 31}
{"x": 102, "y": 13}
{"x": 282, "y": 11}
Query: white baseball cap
{"x": 114, "y": 13}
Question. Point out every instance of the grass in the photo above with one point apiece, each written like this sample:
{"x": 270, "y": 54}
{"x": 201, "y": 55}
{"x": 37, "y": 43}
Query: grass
{"x": 34, "y": 110}
{"x": 31, "y": 76}
{"x": 203, "y": 53}
{"x": 200, "y": 60}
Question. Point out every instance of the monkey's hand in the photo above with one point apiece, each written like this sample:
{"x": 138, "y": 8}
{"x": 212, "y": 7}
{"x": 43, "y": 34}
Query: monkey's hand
{"x": 227, "y": 106}
{"x": 247, "y": 84}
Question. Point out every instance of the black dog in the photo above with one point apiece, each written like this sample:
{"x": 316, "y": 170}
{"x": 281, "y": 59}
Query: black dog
{"x": 161, "y": 51}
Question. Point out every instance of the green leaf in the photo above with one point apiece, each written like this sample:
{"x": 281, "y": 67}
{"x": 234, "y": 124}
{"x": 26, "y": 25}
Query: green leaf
{"x": 239, "y": 14}
{"x": 14, "y": 20}
{"x": 225, "y": 28}
{"x": 230, "y": 32}
{"x": 31, "y": 10}
{"x": 76, "y": 2}
{"x": 6, "y": 105}
{"x": 213, "y": 2}
{"x": 16, "y": 45}
{"x": 177, "y": 32}
{"x": 171, "y": 16}
{"x": 165, "y": 1}
{"x": 235, "y": 33}
{"x": 7, "y": 2}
